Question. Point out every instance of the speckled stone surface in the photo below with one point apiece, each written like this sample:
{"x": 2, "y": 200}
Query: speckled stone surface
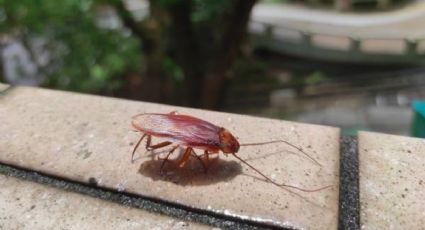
{"x": 89, "y": 139}
{"x": 134, "y": 201}
{"x": 392, "y": 181}
{"x": 27, "y": 205}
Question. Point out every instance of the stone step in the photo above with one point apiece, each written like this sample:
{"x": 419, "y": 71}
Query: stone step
{"x": 88, "y": 139}
{"x": 32, "y": 206}
{"x": 392, "y": 181}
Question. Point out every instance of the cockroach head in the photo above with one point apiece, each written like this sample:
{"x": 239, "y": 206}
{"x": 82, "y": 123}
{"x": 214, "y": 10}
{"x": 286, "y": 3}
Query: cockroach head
{"x": 228, "y": 143}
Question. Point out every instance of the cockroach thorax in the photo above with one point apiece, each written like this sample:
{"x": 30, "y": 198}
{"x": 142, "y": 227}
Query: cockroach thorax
{"x": 228, "y": 143}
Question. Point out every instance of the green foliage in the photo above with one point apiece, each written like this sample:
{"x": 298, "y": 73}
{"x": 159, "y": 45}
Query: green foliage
{"x": 86, "y": 57}
{"x": 276, "y": 1}
{"x": 206, "y": 10}
{"x": 173, "y": 70}
{"x": 253, "y": 73}
{"x": 315, "y": 78}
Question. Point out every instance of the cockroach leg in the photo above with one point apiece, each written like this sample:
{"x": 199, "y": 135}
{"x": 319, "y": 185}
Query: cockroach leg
{"x": 149, "y": 147}
{"x": 136, "y": 146}
{"x": 159, "y": 145}
{"x": 206, "y": 158}
{"x": 148, "y": 142}
{"x": 204, "y": 165}
{"x": 182, "y": 162}
{"x": 166, "y": 158}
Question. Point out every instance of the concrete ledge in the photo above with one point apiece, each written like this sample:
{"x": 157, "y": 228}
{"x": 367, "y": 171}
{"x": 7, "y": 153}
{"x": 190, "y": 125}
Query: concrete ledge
{"x": 88, "y": 139}
{"x": 28, "y": 205}
{"x": 392, "y": 181}
{"x": 152, "y": 206}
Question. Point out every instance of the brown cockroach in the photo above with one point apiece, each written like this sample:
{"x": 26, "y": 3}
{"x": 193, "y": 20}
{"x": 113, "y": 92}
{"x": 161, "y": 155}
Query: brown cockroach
{"x": 194, "y": 133}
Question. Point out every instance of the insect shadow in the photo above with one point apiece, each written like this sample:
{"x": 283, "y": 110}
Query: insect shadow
{"x": 193, "y": 173}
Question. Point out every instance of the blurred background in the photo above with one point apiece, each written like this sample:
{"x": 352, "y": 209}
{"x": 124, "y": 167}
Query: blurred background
{"x": 356, "y": 64}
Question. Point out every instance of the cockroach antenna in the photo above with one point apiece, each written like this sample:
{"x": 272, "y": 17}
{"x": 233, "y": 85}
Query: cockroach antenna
{"x": 275, "y": 183}
{"x": 286, "y": 142}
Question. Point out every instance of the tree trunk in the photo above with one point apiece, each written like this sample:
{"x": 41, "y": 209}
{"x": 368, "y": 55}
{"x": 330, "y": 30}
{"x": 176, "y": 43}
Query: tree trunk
{"x": 153, "y": 84}
{"x": 204, "y": 71}
{"x": 188, "y": 55}
{"x": 235, "y": 26}
{"x": 153, "y": 49}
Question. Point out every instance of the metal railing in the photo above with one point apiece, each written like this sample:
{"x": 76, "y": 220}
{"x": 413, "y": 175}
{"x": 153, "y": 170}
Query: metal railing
{"x": 334, "y": 42}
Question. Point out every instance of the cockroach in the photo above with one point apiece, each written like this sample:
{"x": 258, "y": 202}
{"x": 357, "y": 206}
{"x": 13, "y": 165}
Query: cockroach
{"x": 193, "y": 133}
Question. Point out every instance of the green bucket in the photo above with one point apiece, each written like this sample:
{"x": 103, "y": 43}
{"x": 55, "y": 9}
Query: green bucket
{"x": 418, "y": 126}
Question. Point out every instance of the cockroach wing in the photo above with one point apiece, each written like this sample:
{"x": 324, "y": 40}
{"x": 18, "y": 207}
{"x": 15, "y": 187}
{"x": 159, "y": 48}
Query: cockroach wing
{"x": 185, "y": 130}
